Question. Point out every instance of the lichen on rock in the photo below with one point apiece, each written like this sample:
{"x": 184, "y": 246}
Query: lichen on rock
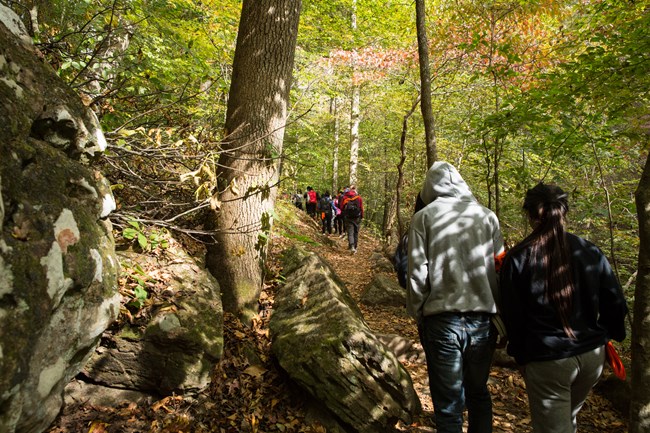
{"x": 58, "y": 268}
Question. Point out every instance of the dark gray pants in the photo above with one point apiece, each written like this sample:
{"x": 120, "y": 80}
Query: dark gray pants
{"x": 557, "y": 389}
{"x": 352, "y": 227}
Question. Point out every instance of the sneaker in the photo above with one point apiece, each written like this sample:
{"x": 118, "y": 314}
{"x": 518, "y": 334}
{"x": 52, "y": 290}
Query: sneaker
{"x": 354, "y": 250}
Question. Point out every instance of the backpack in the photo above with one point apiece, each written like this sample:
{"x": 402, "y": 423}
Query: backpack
{"x": 400, "y": 261}
{"x": 352, "y": 208}
{"x": 324, "y": 205}
{"x": 312, "y": 196}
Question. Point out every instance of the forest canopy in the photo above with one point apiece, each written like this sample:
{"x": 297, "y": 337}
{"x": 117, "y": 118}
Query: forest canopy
{"x": 522, "y": 92}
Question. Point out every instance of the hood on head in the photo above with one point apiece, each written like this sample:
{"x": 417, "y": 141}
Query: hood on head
{"x": 443, "y": 180}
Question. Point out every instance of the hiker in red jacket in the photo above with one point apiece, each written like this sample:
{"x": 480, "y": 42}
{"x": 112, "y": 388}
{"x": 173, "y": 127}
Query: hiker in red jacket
{"x": 352, "y": 210}
{"x": 311, "y": 200}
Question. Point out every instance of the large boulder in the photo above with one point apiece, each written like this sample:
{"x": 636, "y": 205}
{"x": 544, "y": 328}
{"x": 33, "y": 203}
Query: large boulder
{"x": 321, "y": 339}
{"x": 177, "y": 348}
{"x": 58, "y": 269}
{"x": 384, "y": 290}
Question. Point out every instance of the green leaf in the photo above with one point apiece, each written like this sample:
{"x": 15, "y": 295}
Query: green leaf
{"x": 140, "y": 293}
{"x": 129, "y": 233}
{"x": 142, "y": 241}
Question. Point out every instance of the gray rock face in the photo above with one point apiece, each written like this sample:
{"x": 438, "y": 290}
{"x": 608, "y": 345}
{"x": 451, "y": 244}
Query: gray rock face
{"x": 58, "y": 269}
{"x": 321, "y": 340}
{"x": 183, "y": 340}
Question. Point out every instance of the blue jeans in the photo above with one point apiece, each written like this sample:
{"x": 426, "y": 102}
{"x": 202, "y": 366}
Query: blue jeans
{"x": 459, "y": 349}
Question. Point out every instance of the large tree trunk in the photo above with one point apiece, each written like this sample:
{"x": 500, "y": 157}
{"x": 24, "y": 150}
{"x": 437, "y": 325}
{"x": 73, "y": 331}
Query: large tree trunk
{"x": 640, "y": 377}
{"x": 248, "y": 164}
{"x": 425, "y": 80}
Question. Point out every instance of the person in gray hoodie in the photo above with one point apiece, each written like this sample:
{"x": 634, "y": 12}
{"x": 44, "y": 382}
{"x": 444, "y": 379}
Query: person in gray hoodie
{"x": 454, "y": 248}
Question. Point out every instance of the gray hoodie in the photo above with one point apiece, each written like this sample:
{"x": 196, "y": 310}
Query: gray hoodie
{"x": 453, "y": 242}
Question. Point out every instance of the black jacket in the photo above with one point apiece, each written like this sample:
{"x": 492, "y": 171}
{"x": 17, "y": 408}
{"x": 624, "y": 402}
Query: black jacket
{"x": 535, "y": 332}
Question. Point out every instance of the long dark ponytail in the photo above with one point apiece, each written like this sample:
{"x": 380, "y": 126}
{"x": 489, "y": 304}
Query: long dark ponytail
{"x": 547, "y": 206}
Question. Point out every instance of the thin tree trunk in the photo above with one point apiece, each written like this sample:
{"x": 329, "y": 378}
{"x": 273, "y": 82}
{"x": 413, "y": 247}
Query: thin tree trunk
{"x": 248, "y": 163}
{"x": 497, "y": 107}
{"x": 390, "y": 203}
{"x": 354, "y": 111}
{"x": 335, "y": 156}
{"x": 425, "y": 80}
{"x": 400, "y": 169}
{"x": 354, "y": 134}
{"x": 640, "y": 374}
{"x": 608, "y": 201}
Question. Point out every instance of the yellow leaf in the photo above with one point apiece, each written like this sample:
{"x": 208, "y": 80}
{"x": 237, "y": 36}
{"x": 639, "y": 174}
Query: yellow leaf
{"x": 255, "y": 371}
{"x": 97, "y": 427}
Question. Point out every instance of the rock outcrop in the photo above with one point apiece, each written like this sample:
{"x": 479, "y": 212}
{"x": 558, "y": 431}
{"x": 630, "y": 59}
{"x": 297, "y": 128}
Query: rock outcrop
{"x": 320, "y": 338}
{"x": 177, "y": 349}
{"x": 58, "y": 269}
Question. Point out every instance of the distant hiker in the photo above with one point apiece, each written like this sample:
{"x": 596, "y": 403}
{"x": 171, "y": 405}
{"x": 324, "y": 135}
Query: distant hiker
{"x": 453, "y": 247}
{"x": 311, "y": 200}
{"x": 338, "y": 220}
{"x": 327, "y": 210}
{"x": 352, "y": 209}
{"x": 297, "y": 199}
{"x": 337, "y": 216}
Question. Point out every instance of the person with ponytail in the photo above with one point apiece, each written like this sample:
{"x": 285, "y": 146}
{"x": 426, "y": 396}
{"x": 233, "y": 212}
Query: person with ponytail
{"x": 561, "y": 303}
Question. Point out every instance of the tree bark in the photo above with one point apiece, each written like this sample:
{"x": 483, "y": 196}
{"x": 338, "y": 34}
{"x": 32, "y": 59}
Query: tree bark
{"x": 354, "y": 133}
{"x": 390, "y": 207}
{"x": 425, "y": 80}
{"x": 400, "y": 169}
{"x": 354, "y": 110}
{"x": 640, "y": 374}
{"x": 248, "y": 164}
{"x": 335, "y": 157}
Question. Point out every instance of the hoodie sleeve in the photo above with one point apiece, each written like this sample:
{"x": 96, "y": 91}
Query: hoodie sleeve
{"x": 417, "y": 281}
